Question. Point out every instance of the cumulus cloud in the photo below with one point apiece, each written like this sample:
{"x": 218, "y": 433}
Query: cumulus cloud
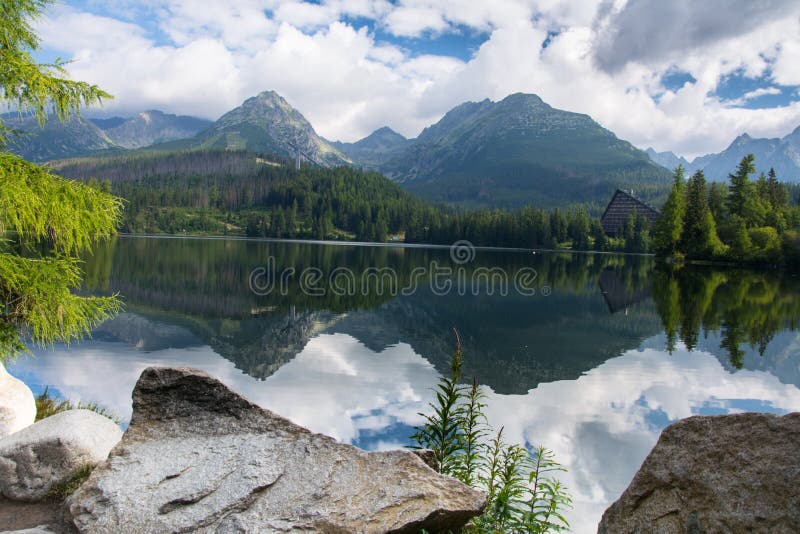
{"x": 654, "y": 30}
{"x": 352, "y": 66}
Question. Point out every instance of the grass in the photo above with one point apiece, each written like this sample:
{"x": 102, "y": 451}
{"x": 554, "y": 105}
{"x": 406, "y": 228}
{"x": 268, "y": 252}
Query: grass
{"x": 47, "y": 405}
{"x": 67, "y": 487}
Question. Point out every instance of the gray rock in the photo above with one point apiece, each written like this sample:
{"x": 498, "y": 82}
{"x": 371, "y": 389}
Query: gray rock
{"x": 17, "y": 405}
{"x": 727, "y": 473}
{"x": 427, "y": 456}
{"x": 44, "y": 454}
{"x": 198, "y": 457}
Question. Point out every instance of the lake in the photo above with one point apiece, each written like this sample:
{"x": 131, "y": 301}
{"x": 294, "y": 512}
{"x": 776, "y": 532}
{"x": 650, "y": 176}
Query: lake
{"x": 591, "y": 355}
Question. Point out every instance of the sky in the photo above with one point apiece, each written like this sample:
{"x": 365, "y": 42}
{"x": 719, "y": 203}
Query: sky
{"x": 684, "y": 75}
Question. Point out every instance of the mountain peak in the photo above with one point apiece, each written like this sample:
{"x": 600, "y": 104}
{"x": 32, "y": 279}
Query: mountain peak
{"x": 523, "y": 99}
{"x": 515, "y": 151}
{"x": 373, "y": 148}
{"x": 385, "y": 130}
{"x": 383, "y": 136}
{"x": 268, "y": 123}
{"x": 780, "y": 154}
{"x": 268, "y": 96}
{"x": 266, "y": 100}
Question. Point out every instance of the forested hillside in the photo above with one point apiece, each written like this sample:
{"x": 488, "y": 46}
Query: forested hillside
{"x": 235, "y": 192}
{"x": 521, "y": 151}
{"x": 238, "y": 193}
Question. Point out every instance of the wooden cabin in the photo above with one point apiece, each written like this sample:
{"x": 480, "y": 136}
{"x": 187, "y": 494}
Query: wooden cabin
{"x": 619, "y": 209}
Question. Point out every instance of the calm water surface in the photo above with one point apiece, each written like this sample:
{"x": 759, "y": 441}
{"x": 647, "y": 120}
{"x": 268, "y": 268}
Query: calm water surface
{"x": 591, "y": 355}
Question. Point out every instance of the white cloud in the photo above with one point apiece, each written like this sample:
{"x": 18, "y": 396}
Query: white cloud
{"x": 756, "y": 93}
{"x": 305, "y": 15}
{"x": 785, "y": 70}
{"x": 414, "y": 21}
{"x": 653, "y": 30}
{"x": 605, "y": 59}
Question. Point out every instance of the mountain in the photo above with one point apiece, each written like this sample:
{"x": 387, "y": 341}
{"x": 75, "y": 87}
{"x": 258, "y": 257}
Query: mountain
{"x": 56, "y": 140}
{"x": 514, "y": 152}
{"x": 668, "y": 159}
{"x": 111, "y": 122}
{"x": 81, "y": 136}
{"x": 377, "y": 147}
{"x": 782, "y": 154}
{"x": 150, "y": 127}
{"x": 519, "y": 151}
{"x": 264, "y": 123}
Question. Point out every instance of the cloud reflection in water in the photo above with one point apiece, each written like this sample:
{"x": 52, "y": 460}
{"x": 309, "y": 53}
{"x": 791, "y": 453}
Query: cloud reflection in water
{"x": 601, "y": 426}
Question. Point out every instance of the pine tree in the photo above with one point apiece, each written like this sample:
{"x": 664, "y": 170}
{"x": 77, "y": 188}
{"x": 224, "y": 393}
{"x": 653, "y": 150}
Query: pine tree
{"x": 776, "y": 193}
{"x": 578, "y": 229}
{"x": 762, "y": 189}
{"x": 743, "y": 195}
{"x": 717, "y": 199}
{"x": 39, "y": 207}
{"x": 699, "y": 238}
{"x": 740, "y": 186}
{"x": 641, "y": 234}
{"x": 669, "y": 225}
{"x": 599, "y": 236}
{"x": 278, "y": 223}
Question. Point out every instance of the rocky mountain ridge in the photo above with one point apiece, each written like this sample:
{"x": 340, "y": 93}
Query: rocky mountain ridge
{"x": 781, "y": 154}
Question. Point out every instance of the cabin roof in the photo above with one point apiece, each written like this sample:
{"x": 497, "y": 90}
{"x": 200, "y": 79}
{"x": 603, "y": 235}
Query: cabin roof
{"x": 620, "y": 207}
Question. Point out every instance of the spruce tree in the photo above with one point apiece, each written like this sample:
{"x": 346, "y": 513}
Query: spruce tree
{"x": 740, "y": 186}
{"x": 578, "y": 229}
{"x": 669, "y": 225}
{"x": 777, "y": 194}
{"x": 599, "y": 236}
{"x": 699, "y": 238}
{"x": 40, "y": 211}
{"x": 743, "y": 195}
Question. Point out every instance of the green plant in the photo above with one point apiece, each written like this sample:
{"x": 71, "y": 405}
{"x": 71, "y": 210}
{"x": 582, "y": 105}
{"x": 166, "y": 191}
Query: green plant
{"x": 47, "y": 405}
{"x": 523, "y": 494}
{"x": 41, "y": 212}
{"x": 67, "y": 487}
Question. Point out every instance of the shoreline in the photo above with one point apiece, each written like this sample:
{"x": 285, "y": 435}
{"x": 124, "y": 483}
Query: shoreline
{"x": 376, "y": 244}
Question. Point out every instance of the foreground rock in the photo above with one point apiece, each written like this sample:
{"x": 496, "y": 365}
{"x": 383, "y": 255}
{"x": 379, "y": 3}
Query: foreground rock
{"x": 17, "y": 405}
{"x": 729, "y": 473}
{"x": 198, "y": 457}
{"x": 51, "y": 451}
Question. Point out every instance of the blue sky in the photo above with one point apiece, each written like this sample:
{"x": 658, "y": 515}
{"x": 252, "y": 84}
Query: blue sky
{"x": 682, "y": 75}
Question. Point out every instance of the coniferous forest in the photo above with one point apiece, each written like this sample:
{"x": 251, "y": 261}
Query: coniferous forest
{"x": 745, "y": 221}
{"x": 239, "y": 193}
